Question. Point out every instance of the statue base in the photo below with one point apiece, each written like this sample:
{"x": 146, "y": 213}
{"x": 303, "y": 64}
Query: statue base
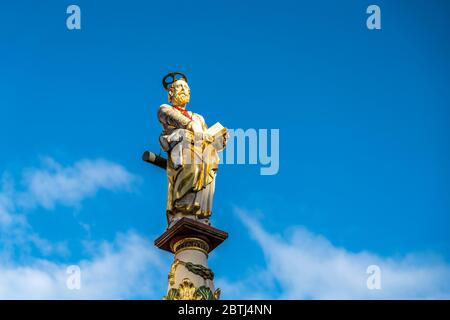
{"x": 191, "y": 242}
{"x": 186, "y": 228}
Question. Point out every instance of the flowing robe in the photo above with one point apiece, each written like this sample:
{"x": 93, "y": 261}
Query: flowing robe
{"x": 192, "y": 164}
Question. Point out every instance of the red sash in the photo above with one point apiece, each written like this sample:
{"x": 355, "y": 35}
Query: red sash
{"x": 184, "y": 112}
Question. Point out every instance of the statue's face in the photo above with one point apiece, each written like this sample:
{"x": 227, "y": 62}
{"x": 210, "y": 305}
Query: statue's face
{"x": 179, "y": 93}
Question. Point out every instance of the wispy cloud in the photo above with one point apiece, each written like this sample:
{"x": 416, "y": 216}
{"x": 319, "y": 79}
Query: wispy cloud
{"x": 299, "y": 265}
{"x": 69, "y": 185}
{"x": 304, "y": 265}
{"x": 125, "y": 268}
{"x": 7, "y": 207}
{"x": 6, "y": 217}
{"x": 47, "y": 186}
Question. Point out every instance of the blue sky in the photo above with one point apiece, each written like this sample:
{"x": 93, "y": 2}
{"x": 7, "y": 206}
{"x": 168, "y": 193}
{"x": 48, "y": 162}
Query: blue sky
{"x": 363, "y": 119}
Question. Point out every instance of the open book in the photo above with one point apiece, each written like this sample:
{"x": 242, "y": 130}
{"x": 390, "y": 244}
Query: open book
{"x": 216, "y": 130}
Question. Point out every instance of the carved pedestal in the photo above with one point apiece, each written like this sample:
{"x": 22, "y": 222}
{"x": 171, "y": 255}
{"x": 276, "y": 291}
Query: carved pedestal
{"x": 191, "y": 242}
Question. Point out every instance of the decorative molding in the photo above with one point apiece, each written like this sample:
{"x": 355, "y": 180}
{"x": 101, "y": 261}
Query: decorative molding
{"x": 197, "y": 269}
{"x": 190, "y": 243}
{"x": 173, "y": 268}
{"x": 187, "y": 291}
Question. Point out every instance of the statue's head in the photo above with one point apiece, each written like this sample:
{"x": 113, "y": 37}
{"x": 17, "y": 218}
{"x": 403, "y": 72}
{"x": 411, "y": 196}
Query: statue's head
{"x": 178, "y": 90}
{"x": 179, "y": 93}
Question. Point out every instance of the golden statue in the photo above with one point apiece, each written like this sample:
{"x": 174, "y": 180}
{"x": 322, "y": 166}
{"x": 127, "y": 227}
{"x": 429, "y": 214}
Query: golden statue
{"x": 192, "y": 150}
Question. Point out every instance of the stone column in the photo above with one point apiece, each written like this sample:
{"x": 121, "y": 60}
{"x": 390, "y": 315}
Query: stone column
{"x": 190, "y": 277}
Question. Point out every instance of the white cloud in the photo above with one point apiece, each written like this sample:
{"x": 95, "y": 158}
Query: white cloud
{"x": 308, "y": 266}
{"x": 6, "y": 218}
{"x": 54, "y": 183}
{"x": 299, "y": 266}
{"x": 126, "y": 268}
{"x": 47, "y": 186}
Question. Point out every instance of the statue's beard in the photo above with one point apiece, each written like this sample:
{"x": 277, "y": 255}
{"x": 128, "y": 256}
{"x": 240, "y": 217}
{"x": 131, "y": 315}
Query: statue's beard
{"x": 180, "y": 98}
